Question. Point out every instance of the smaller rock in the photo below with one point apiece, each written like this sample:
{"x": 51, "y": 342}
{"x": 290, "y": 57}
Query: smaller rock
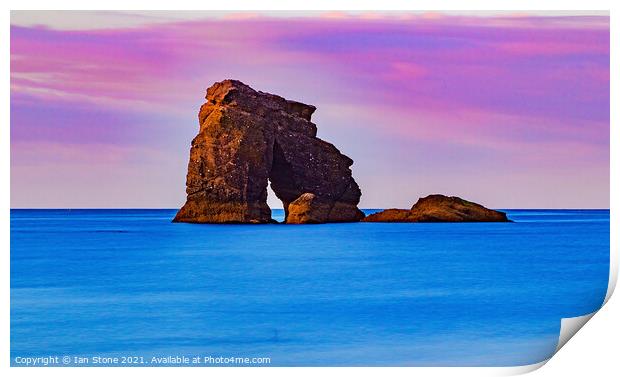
{"x": 440, "y": 208}
{"x": 307, "y": 209}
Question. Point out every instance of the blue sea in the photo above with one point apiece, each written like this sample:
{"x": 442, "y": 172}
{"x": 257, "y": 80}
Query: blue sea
{"x": 130, "y": 283}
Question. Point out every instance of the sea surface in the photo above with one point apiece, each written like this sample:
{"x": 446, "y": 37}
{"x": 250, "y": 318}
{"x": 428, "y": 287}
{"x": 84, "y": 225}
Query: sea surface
{"x": 119, "y": 283}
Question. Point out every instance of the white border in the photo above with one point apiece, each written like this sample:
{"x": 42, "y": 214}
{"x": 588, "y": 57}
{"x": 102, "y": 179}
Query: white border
{"x": 593, "y": 353}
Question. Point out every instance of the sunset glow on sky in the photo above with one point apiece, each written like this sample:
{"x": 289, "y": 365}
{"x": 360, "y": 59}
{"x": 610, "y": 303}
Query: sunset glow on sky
{"x": 511, "y": 111}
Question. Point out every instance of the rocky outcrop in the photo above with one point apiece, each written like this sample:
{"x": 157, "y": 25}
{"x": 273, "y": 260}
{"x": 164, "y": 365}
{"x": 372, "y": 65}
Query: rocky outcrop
{"x": 440, "y": 208}
{"x": 249, "y": 138}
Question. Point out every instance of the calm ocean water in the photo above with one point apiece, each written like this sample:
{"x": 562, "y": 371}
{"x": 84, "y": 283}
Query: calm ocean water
{"x": 131, "y": 283}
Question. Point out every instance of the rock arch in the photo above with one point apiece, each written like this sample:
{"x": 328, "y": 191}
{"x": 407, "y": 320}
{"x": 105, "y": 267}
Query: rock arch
{"x": 248, "y": 138}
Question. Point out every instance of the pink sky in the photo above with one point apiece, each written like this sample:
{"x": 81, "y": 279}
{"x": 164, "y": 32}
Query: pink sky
{"x": 509, "y": 111}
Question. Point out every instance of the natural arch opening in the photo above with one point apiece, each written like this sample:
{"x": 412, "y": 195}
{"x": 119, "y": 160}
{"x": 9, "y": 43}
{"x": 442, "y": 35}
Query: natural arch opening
{"x": 282, "y": 179}
{"x": 275, "y": 204}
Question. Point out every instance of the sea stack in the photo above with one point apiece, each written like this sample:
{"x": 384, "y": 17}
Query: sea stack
{"x": 439, "y": 208}
{"x": 247, "y": 139}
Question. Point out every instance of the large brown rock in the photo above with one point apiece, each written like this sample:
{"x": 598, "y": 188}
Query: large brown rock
{"x": 249, "y": 138}
{"x": 440, "y": 208}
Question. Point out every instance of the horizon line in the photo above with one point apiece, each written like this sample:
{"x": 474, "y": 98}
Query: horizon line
{"x": 162, "y": 208}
